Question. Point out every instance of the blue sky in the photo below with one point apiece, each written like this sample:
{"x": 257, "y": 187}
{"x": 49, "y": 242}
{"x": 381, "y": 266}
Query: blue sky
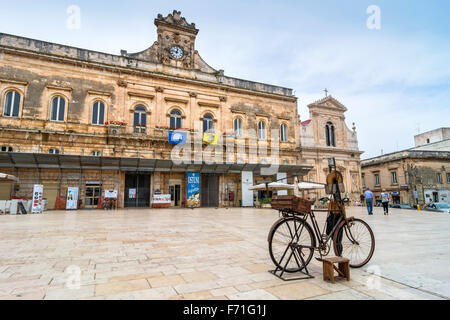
{"x": 394, "y": 81}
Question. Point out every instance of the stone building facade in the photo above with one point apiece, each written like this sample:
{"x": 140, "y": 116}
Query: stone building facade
{"x": 78, "y": 118}
{"x": 326, "y": 135}
{"x": 415, "y": 176}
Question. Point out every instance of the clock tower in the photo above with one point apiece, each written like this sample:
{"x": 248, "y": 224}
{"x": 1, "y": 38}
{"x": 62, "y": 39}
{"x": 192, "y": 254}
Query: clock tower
{"x": 176, "y": 39}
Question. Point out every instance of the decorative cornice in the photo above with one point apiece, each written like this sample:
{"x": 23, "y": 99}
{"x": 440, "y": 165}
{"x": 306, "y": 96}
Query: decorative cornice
{"x": 22, "y": 83}
{"x": 175, "y": 20}
{"x": 99, "y": 93}
{"x": 51, "y": 87}
{"x": 141, "y": 95}
{"x": 208, "y": 104}
{"x": 176, "y": 100}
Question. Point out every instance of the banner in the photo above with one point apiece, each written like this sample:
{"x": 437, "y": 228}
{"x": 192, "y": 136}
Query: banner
{"x": 211, "y": 138}
{"x": 38, "y": 192}
{"x": 177, "y": 137}
{"x": 162, "y": 199}
{"x": 72, "y": 199}
{"x": 193, "y": 190}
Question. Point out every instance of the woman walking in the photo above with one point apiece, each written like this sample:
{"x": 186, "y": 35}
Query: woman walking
{"x": 385, "y": 201}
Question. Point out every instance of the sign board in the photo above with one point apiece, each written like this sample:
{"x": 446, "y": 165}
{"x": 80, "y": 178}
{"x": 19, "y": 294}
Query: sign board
{"x": 162, "y": 199}
{"x": 247, "y": 195}
{"x": 72, "y": 199}
{"x": 38, "y": 192}
{"x": 132, "y": 193}
{"x": 111, "y": 194}
{"x": 193, "y": 190}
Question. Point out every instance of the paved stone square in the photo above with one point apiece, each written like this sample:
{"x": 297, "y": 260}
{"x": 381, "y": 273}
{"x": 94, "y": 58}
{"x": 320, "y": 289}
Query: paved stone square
{"x": 207, "y": 254}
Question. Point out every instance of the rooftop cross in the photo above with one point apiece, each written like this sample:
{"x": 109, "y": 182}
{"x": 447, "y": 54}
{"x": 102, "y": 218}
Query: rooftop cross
{"x": 326, "y": 92}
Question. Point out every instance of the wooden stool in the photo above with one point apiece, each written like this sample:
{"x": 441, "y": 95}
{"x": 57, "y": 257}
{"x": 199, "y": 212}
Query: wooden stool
{"x": 329, "y": 268}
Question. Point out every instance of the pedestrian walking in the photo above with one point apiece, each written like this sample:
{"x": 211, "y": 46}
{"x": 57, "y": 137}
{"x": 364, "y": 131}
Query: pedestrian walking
{"x": 362, "y": 200}
{"x": 369, "y": 201}
{"x": 385, "y": 202}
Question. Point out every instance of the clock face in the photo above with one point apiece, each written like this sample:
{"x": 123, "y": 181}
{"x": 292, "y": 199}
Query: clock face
{"x": 176, "y": 52}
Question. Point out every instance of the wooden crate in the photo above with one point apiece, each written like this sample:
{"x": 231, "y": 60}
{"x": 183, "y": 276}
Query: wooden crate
{"x": 291, "y": 203}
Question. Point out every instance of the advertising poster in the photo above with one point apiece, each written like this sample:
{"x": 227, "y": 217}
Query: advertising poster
{"x": 38, "y": 192}
{"x": 111, "y": 194}
{"x": 72, "y": 199}
{"x": 193, "y": 190}
{"x": 132, "y": 194}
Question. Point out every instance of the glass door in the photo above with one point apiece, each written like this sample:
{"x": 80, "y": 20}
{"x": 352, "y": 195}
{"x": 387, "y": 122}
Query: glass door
{"x": 92, "y": 197}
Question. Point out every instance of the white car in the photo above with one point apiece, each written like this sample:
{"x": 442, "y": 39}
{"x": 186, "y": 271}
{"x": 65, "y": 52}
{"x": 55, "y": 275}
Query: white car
{"x": 438, "y": 207}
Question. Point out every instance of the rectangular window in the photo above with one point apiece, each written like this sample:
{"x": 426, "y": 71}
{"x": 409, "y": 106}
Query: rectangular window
{"x": 394, "y": 177}
{"x": 439, "y": 178}
{"x": 363, "y": 180}
{"x": 448, "y": 177}
{"x": 377, "y": 179}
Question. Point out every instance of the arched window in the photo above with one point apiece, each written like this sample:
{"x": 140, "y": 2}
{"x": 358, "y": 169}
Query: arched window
{"x": 98, "y": 113}
{"x": 175, "y": 119}
{"x": 283, "y": 133}
{"x": 330, "y": 135}
{"x": 140, "y": 119}
{"x": 208, "y": 123}
{"x": 12, "y": 104}
{"x": 262, "y": 133}
{"x": 53, "y": 151}
{"x": 58, "y": 109}
{"x": 238, "y": 128}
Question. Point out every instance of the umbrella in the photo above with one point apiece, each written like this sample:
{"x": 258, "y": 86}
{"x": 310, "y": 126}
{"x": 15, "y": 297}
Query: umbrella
{"x": 310, "y": 186}
{"x": 272, "y": 186}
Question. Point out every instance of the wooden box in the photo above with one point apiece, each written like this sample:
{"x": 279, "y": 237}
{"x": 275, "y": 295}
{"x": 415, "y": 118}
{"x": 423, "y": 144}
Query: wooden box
{"x": 291, "y": 203}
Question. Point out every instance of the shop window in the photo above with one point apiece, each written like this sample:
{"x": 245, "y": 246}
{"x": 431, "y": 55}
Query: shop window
{"x": 330, "y": 135}
{"x": 98, "y": 113}
{"x": 7, "y": 149}
{"x": 175, "y": 119}
{"x": 394, "y": 177}
{"x": 208, "y": 123}
{"x": 238, "y": 128}
{"x": 140, "y": 119}
{"x": 58, "y": 109}
{"x": 262, "y": 133}
{"x": 12, "y": 104}
{"x": 53, "y": 151}
{"x": 283, "y": 133}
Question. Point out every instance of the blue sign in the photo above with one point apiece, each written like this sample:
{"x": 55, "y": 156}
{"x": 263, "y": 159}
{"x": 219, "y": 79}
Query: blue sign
{"x": 193, "y": 189}
{"x": 176, "y": 137}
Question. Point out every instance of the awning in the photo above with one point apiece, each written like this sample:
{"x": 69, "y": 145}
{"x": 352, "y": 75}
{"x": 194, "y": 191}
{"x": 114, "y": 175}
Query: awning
{"x": 8, "y": 177}
{"x": 310, "y": 186}
{"x": 272, "y": 186}
{"x": 77, "y": 162}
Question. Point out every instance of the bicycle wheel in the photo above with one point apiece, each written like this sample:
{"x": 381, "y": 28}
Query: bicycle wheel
{"x": 285, "y": 241}
{"x": 354, "y": 240}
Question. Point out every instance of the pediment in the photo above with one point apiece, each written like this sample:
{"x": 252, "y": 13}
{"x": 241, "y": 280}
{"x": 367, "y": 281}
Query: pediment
{"x": 329, "y": 103}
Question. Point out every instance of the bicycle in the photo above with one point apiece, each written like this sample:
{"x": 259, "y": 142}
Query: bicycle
{"x": 292, "y": 240}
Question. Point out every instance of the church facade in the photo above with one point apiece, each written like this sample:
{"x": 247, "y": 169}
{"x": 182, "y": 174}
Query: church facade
{"x": 95, "y": 121}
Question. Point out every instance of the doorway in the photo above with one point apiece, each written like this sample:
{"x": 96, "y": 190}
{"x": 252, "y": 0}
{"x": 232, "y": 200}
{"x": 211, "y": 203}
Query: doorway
{"x": 92, "y": 196}
{"x": 137, "y": 190}
{"x": 210, "y": 190}
{"x": 175, "y": 194}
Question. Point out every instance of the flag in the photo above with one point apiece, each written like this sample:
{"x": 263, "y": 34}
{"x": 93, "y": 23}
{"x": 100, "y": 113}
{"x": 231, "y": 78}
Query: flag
{"x": 210, "y": 138}
{"x": 177, "y": 137}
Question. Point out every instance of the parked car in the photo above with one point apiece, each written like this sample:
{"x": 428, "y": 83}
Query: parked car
{"x": 438, "y": 207}
{"x": 401, "y": 206}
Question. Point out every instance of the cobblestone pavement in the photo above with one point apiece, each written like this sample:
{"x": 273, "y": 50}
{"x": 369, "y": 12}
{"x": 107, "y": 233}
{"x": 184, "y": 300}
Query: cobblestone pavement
{"x": 206, "y": 254}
